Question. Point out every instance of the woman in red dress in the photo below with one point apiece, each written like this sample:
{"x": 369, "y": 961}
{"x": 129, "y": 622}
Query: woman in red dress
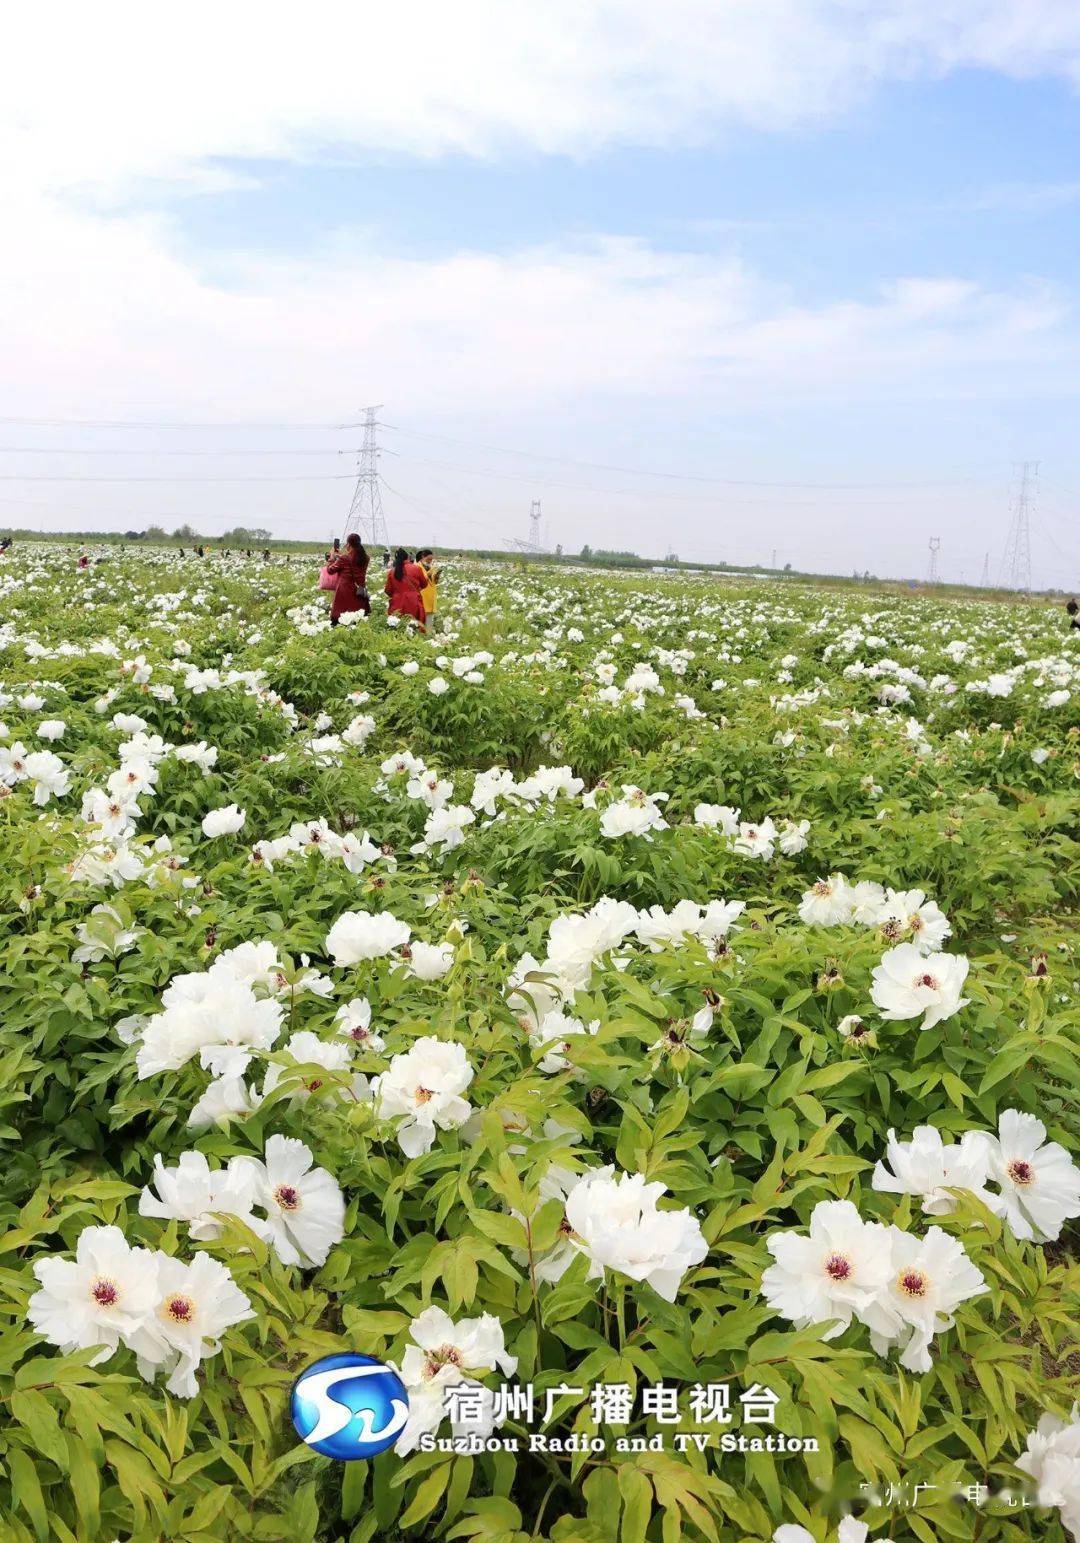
{"x": 350, "y": 570}
{"x": 403, "y": 584}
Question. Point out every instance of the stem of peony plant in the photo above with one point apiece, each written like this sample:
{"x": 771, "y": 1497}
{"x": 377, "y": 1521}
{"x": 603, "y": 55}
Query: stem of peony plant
{"x": 532, "y": 1280}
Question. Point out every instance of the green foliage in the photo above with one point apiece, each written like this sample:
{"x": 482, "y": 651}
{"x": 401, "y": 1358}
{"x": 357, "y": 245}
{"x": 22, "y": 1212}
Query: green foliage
{"x": 772, "y": 1113}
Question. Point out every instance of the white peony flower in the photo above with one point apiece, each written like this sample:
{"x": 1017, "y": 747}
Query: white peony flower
{"x": 225, "y": 821}
{"x": 442, "y": 1355}
{"x": 849, "y": 1531}
{"x": 636, "y": 814}
{"x": 907, "y": 983}
{"x": 925, "y": 1166}
{"x": 104, "y": 936}
{"x": 717, "y": 817}
{"x": 1039, "y": 1182}
{"x": 833, "y": 1273}
{"x": 615, "y": 1222}
{"x": 213, "y": 1015}
{"x": 305, "y": 1209}
{"x": 357, "y": 936}
{"x": 359, "y": 730}
{"x": 553, "y": 1033}
{"x": 202, "y": 755}
{"x": 197, "y": 1194}
{"x": 756, "y": 840}
{"x": 445, "y": 828}
{"x": 49, "y": 775}
{"x": 718, "y": 918}
{"x": 430, "y": 961}
{"x": 428, "y": 788}
{"x": 422, "y": 1089}
{"x": 355, "y": 1023}
{"x": 657, "y": 927}
{"x": 225, "y": 1099}
{"x": 927, "y": 1279}
{"x": 793, "y": 837}
{"x": 307, "y": 1049}
{"x": 197, "y": 1303}
{"x": 101, "y": 1298}
{"x": 1052, "y": 1459}
{"x": 827, "y": 903}
{"x": 908, "y": 914}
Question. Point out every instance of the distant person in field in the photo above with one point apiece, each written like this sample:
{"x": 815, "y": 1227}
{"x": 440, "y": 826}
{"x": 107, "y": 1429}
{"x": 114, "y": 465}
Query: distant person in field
{"x": 403, "y": 584}
{"x": 349, "y": 568}
{"x": 1074, "y": 618}
{"x": 84, "y": 561}
{"x": 429, "y": 593}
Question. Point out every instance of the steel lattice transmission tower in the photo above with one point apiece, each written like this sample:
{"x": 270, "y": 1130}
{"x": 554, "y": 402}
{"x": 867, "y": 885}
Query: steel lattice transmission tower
{"x": 935, "y": 548}
{"x": 366, "y": 511}
{"x": 1016, "y": 564}
{"x": 985, "y": 580}
{"x": 534, "y": 524}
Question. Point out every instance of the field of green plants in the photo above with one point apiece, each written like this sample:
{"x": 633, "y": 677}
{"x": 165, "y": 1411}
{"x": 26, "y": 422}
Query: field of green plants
{"x": 644, "y": 1013}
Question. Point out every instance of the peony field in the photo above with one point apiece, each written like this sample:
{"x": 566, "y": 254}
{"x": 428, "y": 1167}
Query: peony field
{"x": 641, "y": 1016}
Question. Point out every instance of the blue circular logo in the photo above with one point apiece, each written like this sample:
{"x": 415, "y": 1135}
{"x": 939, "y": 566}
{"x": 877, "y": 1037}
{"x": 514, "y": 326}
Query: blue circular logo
{"x": 349, "y": 1406}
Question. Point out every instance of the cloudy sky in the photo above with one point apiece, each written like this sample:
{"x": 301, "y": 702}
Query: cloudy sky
{"x": 732, "y": 277}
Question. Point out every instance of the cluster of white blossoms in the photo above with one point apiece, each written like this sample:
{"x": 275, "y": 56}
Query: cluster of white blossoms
{"x": 304, "y": 1210}
{"x": 658, "y": 928}
{"x": 447, "y": 822}
{"x": 575, "y": 945}
{"x": 315, "y": 836}
{"x": 42, "y": 768}
{"x": 223, "y": 1015}
{"x": 636, "y": 813}
{"x": 538, "y": 990}
{"x": 901, "y": 915}
{"x": 1038, "y": 1184}
{"x": 904, "y": 1289}
{"x": 1052, "y": 1459}
{"x": 445, "y": 1354}
{"x": 171, "y": 1314}
{"x": 761, "y": 839}
{"x": 545, "y": 785}
{"x": 111, "y": 813}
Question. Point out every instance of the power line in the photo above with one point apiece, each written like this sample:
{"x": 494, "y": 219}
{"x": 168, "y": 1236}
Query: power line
{"x": 578, "y": 487}
{"x": 134, "y": 450}
{"x": 637, "y": 471}
{"x": 143, "y": 423}
{"x": 315, "y": 477}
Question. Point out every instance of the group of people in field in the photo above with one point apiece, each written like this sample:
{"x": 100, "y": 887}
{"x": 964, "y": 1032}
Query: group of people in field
{"x": 411, "y": 585}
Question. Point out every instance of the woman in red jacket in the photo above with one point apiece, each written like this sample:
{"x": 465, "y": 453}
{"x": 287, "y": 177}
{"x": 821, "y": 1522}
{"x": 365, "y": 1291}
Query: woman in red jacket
{"x": 350, "y": 571}
{"x": 403, "y": 584}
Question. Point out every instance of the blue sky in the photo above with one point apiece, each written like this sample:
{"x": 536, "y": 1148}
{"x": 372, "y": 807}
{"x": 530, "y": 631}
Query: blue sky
{"x": 775, "y": 245}
{"x": 976, "y": 175}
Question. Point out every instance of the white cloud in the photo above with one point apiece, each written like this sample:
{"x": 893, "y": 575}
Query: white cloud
{"x": 104, "y": 310}
{"x": 105, "y": 96}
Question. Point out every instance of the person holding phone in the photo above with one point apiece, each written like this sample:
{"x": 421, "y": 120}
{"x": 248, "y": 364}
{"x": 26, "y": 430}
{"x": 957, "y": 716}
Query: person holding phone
{"x": 429, "y": 593}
